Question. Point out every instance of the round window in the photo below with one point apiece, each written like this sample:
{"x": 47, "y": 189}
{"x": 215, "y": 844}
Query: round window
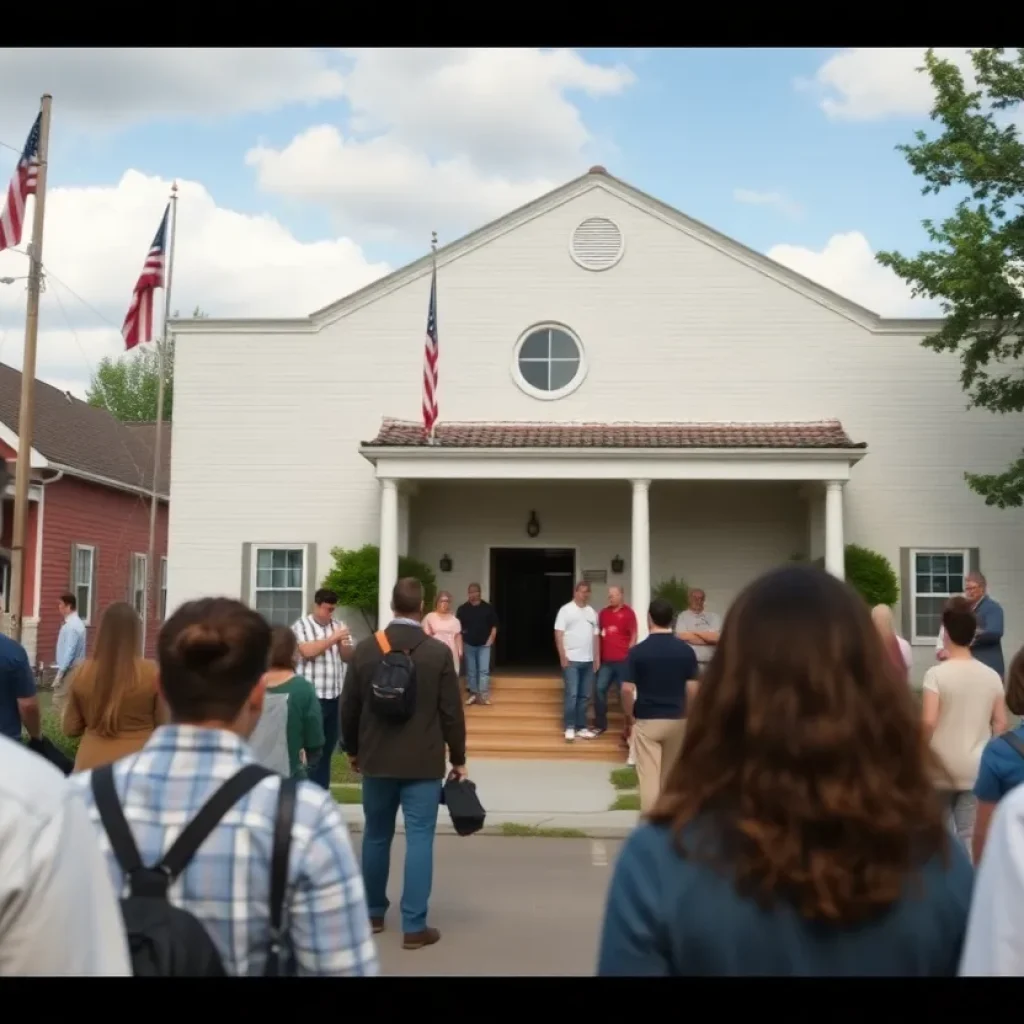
{"x": 549, "y": 362}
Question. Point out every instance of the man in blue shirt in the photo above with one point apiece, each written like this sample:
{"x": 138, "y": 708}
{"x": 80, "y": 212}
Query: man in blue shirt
{"x": 661, "y": 674}
{"x": 19, "y": 704}
{"x": 70, "y": 648}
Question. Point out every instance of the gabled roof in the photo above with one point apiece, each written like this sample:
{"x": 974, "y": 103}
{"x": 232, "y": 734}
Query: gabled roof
{"x": 82, "y": 439}
{"x": 821, "y": 434}
{"x": 595, "y": 178}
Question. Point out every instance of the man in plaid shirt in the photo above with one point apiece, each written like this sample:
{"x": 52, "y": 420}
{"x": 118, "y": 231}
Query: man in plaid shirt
{"x": 212, "y": 657}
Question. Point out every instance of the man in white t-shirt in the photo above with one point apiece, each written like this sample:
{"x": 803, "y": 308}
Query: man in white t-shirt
{"x": 576, "y": 631}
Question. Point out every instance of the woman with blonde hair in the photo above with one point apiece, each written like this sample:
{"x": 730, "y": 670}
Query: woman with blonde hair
{"x": 799, "y": 832}
{"x": 443, "y": 623}
{"x": 898, "y": 650}
{"x": 113, "y": 700}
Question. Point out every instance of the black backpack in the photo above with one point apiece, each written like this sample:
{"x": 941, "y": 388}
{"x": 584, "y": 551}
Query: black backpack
{"x": 393, "y": 686}
{"x": 165, "y": 941}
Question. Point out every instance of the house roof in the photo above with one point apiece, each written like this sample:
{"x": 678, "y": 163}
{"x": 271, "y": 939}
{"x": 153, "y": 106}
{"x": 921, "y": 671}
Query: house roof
{"x": 84, "y": 439}
{"x": 595, "y": 178}
{"x": 817, "y": 434}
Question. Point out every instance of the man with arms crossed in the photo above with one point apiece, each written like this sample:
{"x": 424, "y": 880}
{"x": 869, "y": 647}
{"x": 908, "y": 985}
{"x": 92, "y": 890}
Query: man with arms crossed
{"x": 661, "y": 679}
{"x": 576, "y": 631}
{"x": 618, "y": 634}
{"x": 699, "y": 628}
{"x": 325, "y": 645}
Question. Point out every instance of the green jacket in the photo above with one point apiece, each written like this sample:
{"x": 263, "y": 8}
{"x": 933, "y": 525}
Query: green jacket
{"x": 305, "y": 722}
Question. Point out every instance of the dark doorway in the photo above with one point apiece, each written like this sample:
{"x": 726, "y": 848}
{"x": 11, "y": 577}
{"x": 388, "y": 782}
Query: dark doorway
{"x": 528, "y": 586}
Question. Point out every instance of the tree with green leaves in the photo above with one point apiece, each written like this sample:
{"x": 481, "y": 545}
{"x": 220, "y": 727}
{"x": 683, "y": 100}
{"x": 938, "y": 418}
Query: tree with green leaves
{"x": 128, "y": 386}
{"x": 976, "y": 266}
{"x": 355, "y": 578}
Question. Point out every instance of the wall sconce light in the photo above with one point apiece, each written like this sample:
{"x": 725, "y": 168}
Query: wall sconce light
{"x": 445, "y": 563}
{"x": 618, "y": 565}
{"x": 533, "y": 526}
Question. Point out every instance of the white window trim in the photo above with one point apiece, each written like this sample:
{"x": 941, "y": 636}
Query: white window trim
{"x": 162, "y": 595}
{"x": 254, "y": 558}
{"x": 139, "y": 558}
{"x": 917, "y": 638}
{"x": 86, "y": 615}
{"x": 529, "y": 389}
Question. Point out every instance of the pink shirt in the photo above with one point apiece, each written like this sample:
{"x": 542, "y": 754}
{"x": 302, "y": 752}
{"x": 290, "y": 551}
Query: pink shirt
{"x": 446, "y": 628}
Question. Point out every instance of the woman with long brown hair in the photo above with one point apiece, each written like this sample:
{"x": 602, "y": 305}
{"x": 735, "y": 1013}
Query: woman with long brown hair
{"x": 113, "y": 700}
{"x": 799, "y": 832}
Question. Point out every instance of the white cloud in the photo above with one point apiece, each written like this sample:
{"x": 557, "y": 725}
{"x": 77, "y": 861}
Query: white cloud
{"x": 847, "y": 266}
{"x": 449, "y": 137}
{"x": 776, "y": 200}
{"x": 101, "y": 89}
{"x": 866, "y": 84}
{"x": 229, "y": 263}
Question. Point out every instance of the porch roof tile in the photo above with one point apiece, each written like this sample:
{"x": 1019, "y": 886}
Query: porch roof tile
{"x": 814, "y": 434}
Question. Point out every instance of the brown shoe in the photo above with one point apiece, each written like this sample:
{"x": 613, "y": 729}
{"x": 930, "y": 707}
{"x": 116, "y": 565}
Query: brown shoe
{"x": 417, "y": 940}
{"x": 377, "y": 925}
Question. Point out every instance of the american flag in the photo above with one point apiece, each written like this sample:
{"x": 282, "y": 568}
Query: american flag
{"x": 138, "y": 324}
{"x": 23, "y": 185}
{"x": 430, "y": 362}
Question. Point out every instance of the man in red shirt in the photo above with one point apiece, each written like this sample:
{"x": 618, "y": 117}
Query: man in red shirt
{"x": 617, "y": 624}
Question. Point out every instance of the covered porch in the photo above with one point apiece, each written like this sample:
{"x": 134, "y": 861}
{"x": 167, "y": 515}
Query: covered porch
{"x": 625, "y": 504}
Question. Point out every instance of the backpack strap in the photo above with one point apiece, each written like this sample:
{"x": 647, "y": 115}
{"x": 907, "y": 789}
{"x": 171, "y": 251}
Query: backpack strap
{"x": 279, "y": 873}
{"x": 1014, "y": 740}
{"x": 197, "y": 831}
{"x": 382, "y": 641}
{"x": 122, "y": 841}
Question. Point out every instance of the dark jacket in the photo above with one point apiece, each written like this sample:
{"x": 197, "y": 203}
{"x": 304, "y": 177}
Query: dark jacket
{"x": 988, "y": 644}
{"x": 414, "y": 749}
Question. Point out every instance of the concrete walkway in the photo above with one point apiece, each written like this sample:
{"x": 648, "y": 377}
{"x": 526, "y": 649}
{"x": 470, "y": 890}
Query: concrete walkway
{"x": 546, "y": 795}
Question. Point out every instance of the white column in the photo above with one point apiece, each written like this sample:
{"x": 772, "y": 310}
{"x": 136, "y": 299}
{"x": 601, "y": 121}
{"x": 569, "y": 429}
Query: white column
{"x": 403, "y": 521}
{"x": 640, "y": 555}
{"x": 834, "y": 545}
{"x": 388, "y": 571}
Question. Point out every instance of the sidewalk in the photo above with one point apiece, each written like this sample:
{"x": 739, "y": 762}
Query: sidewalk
{"x": 537, "y": 795}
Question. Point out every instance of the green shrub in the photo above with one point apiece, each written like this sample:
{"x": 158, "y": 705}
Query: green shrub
{"x": 872, "y": 576}
{"x": 676, "y": 592}
{"x": 355, "y": 578}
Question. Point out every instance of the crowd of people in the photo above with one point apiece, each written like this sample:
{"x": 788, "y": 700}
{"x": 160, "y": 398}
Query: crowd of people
{"x": 802, "y": 814}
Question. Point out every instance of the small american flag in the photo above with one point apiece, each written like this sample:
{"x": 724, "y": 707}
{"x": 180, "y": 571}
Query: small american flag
{"x": 23, "y": 185}
{"x": 138, "y": 324}
{"x": 430, "y": 362}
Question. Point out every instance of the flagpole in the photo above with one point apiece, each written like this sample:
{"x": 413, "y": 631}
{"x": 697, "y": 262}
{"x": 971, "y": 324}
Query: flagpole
{"x": 161, "y": 354}
{"x": 26, "y": 412}
{"x": 431, "y": 439}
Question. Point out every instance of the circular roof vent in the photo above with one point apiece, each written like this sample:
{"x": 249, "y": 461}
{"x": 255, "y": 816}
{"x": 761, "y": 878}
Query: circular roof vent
{"x": 596, "y": 244}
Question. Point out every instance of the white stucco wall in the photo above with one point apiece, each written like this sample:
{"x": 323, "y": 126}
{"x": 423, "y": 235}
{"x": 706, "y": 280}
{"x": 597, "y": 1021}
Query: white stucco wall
{"x": 267, "y": 426}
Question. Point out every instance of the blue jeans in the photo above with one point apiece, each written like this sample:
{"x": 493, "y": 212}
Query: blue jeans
{"x": 419, "y": 800}
{"x": 579, "y": 678}
{"x": 478, "y": 669}
{"x": 320, "y": 773}
{"x": 609, "y": 672}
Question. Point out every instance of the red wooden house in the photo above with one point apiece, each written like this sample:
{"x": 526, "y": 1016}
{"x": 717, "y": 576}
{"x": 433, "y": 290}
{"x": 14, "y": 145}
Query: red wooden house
{"x": 88, "y": 526}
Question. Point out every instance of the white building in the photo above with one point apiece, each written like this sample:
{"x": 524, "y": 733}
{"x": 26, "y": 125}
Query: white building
{"x": 654, "y": 398}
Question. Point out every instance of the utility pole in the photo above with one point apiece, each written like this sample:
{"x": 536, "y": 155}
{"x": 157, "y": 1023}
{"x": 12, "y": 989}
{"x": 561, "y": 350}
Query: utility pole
{"x": 26, "y": 413}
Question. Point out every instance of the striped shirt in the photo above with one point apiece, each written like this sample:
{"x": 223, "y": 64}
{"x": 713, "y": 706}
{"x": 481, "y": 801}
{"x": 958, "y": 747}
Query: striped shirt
{"x": 326, "y": 671}
{"x": 226, "y": 886}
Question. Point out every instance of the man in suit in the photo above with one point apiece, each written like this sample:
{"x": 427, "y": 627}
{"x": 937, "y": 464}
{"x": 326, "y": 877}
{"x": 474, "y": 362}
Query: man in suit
{"x": 403, "y": 762}
{"x": 987, "y": 646}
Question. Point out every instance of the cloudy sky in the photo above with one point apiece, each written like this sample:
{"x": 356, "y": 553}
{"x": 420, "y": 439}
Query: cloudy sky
{"x": 305, "y": 174}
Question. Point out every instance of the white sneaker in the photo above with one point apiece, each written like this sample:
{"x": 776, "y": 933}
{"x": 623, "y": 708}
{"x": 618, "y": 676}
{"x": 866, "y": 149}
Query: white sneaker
{"x": 570, "y": 735}
{"x": 586, "y": 734}
{"x": 631, "y": 761}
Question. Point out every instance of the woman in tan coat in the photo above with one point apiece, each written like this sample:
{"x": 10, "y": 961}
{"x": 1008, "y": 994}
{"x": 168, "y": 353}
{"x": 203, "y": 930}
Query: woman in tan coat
{"x": 113, "y": 700}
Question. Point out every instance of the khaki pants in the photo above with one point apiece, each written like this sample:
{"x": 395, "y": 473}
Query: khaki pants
{"x": 658, "y": 742}
{"x": 61, "y": 686}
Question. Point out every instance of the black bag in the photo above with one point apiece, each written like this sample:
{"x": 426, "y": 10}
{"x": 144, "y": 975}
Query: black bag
{"x": 1011, "y": 738}
{"x": 48, "y": 749}
{"x": 393, "y": 686}
{"x": 464, "y": 806}
{"x": 165, "y": 941}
